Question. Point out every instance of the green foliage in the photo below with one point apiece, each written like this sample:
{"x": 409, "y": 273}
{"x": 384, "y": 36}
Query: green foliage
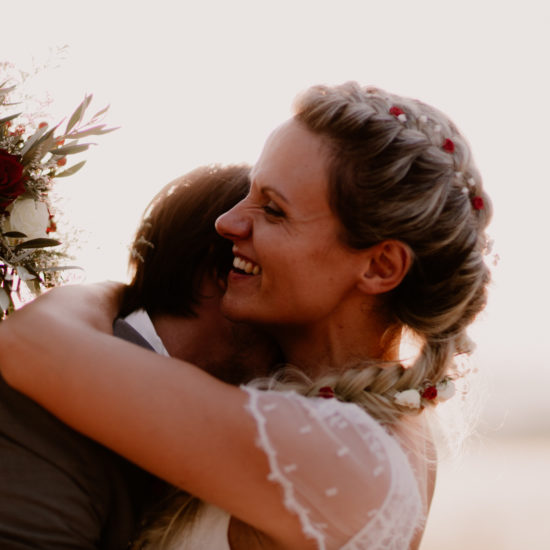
{"x": 39, "y": 153}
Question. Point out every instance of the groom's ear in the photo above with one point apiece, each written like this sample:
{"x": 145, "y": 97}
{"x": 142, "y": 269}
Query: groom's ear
{"x": 385, "y": 266}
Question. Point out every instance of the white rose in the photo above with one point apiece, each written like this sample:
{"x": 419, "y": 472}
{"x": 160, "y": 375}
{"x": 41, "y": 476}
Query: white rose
{"x": 445, "y": 390}
{"x": 29, "y": 217}
{"x": 408, "y": 398}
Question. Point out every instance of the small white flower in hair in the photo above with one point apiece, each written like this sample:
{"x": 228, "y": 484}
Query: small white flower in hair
{"x": 445, "y": 390}
{"x": 408, "y": 398}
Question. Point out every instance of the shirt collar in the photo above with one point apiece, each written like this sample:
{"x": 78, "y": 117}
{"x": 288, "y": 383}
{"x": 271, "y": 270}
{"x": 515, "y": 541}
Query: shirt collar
{"x": 140, "y": 321}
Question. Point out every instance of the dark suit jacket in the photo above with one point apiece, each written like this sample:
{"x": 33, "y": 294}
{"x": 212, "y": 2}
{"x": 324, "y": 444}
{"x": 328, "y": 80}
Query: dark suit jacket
{"x": 58, "y": 489}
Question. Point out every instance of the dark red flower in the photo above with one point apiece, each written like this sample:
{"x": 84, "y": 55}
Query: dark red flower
{"x": 326, "y": 392}
{"x": 429, "y": 393}
{"x": 448, "y": 146}
{"x": 52, "y": 227}
{"x": 396, "y": 111}
{"x": 42, "y": 124}
{"x": 477, "y": 203}
{"x": 62, "y": 161}
{"x": 12, "y": 182}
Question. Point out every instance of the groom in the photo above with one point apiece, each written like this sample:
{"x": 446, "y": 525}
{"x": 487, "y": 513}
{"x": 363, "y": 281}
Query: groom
{"x": 59, "y": 489}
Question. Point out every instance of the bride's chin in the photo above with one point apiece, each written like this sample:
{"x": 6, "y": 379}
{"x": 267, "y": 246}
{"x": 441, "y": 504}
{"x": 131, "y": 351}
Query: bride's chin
{"x": 234, "y": 310}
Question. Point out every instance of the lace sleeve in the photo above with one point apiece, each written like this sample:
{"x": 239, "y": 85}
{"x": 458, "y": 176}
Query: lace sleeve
{"x": 344, "y": 476}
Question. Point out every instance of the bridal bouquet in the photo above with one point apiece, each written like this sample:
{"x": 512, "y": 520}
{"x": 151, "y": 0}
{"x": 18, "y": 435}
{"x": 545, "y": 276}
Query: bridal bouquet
{"x": 32, "y": 157}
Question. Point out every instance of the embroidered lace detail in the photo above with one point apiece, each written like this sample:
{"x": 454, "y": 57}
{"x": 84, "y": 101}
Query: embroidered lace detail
{"x": 345, "y": 477}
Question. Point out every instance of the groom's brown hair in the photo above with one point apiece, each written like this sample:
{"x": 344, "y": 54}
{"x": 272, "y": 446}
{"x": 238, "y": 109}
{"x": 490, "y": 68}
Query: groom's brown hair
{"x": 176, "y": 244}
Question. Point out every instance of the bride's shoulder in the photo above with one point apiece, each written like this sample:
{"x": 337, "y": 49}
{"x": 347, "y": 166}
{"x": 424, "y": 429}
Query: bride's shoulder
{"x": 337, "y": 465}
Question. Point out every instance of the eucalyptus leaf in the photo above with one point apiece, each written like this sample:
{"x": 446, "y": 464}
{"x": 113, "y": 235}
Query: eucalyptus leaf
{"x": 72, "y": 170}
{"x": 76, "y": 117}
{"x": 102, "y": 112}
{"x": 34, "y": 286}
{"x": 107, "y": 131}
{"x": 94, "y": 131}
{"x": 8, "y": 118}
{"x": 71, "y": 149}
{"x": 24, "y": 274}
{"x": 89, "y": 132}
{"x": 5, "y": 300}
{"x": 40, "y": 242}
{"x": 6, "y": 91}
{"x": 40, "y": 148}
{"x": 15, "y": 235}
{"x": 60, "y": 268}
{"x": 33, "y": 139}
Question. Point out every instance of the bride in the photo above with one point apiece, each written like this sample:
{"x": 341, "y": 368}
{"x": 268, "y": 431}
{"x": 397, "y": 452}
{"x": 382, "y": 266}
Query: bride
{"x": 365, "y": 218}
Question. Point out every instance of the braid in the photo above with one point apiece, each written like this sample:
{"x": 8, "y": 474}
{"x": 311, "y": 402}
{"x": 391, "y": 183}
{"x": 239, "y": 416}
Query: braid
{"x": 165, "y": 522}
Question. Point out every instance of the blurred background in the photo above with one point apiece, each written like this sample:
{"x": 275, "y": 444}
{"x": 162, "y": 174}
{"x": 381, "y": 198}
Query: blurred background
{"x": 191, "y": 83}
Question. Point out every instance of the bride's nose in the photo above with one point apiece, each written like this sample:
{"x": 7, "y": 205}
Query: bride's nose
{"x": 234, "y": 224}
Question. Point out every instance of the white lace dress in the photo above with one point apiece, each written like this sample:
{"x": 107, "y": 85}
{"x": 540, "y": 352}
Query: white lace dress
{"x": 341, "y": 472}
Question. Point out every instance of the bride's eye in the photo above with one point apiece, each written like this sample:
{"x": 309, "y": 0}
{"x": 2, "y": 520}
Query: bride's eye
{"x": 271, "y": 209}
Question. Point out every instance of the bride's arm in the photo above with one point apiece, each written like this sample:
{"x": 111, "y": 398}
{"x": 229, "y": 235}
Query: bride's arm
{"x": 166, "y": 415}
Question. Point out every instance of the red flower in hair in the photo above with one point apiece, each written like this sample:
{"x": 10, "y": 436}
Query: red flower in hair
{"x": 396, "y": 111}
{"x": 326, "y": 392}
{"x": 430, "y": 393}
{"x": 477, "y": 203}
{"x": 448, "y": 146}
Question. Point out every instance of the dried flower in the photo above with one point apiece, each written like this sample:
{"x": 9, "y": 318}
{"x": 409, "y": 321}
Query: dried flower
{"x": 408, "y": 398}
{"x": 326, "y": 392}
{"x": 448, "y": 146}
{"x": 429, "y": 393}
{"x": 477, "y": 203}
{"x": 445, "y": 390}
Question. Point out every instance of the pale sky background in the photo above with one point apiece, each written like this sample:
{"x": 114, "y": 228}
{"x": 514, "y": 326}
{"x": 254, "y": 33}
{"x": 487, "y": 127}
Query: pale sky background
{"x": 199, "y": 82}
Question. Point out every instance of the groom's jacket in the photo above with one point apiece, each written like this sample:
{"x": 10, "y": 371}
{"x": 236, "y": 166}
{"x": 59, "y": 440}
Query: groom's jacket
{"x": 60, "y": 490}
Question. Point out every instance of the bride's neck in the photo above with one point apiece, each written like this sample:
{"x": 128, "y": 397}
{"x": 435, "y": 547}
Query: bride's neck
{"x": 337, "y": 345}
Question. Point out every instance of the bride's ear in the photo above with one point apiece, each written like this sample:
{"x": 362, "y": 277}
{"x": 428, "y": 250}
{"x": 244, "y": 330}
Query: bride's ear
{"x": 386, "y": 264}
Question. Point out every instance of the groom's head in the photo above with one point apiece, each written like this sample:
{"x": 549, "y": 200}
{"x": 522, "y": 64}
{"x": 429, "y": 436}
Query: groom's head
{"x": 177, "y": 246}
{"x": 179, "y": 265}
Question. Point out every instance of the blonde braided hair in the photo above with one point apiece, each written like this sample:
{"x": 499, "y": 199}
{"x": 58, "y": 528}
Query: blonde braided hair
{"x": 400, "y": 169}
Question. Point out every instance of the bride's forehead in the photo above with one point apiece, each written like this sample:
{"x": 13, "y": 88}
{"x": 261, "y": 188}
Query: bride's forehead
{"x": 291, "y": 152}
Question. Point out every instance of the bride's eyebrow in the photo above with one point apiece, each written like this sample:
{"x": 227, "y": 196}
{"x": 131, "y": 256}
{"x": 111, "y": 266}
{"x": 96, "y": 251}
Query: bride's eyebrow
{"x": 267, "y": 190}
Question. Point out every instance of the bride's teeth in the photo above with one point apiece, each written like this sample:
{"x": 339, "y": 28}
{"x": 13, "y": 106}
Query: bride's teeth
{"x": 247, "y": 267}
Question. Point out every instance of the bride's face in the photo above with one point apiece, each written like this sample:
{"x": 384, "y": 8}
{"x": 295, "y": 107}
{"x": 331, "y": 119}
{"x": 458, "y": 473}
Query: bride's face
{"x": 290, "y": 266}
